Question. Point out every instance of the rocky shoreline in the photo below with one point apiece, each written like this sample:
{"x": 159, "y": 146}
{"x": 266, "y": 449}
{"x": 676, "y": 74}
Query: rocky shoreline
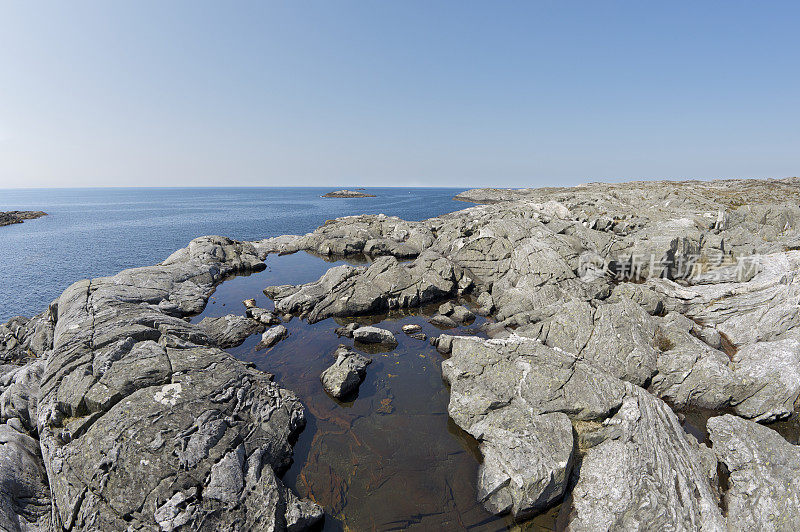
{"x": 17, "y": 217}
{"x": 617, "y": 307}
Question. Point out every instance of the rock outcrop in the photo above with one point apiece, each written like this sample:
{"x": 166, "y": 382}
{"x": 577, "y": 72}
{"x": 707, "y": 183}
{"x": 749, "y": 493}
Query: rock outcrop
{"x": 612, "y": 307}
{"x": 347, "y": 194}
{"x": 17, "y": 217}
{"x": 648, "y": 296}
{"x": 231, "y": 330}
{"x": 142, "y": 421}
{"x": 764, "y": 475}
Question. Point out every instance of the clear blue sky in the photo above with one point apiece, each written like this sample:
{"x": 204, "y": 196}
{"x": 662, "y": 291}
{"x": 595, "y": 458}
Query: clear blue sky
{"x": 396, "y": 93}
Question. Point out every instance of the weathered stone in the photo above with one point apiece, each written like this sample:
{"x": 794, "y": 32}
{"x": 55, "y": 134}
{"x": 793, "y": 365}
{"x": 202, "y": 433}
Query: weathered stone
{"x": 263, "y": 316}
{"x": 462, "y": 314}
{"x": 121, "y": 392}
{"x": 386, "y": 284}
{"x": 443, "y": 322}
{"x": 347, "y": 330}
{"x": 231, "y": 330}
{"x": 274, "y": 335}
{"x": 764, "y": 481}
{"x": 374, "y": 335}
{"x": 647, "y": 474}
{"x": 344, "y": 376}
{"x": 622, "y": 342}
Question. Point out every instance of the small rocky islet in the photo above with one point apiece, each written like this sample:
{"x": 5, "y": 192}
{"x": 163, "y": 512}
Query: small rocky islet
{"x": 617, "y": 310}
{"x": 17, "y": 217}
{"x": 348, "y": 194}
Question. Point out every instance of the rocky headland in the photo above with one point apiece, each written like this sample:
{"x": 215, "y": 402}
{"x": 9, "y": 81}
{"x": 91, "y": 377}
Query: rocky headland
{"x": 17, "y": 217}
{"x": 347, "y": 194}
{"x": 618, "y": 309}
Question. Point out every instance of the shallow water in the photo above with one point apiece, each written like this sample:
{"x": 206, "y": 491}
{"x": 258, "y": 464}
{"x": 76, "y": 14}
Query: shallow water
{"x": 391, "y": 458}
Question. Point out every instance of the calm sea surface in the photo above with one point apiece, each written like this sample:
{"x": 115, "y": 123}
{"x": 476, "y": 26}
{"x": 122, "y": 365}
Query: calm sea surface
{"x": 97, "y": 232}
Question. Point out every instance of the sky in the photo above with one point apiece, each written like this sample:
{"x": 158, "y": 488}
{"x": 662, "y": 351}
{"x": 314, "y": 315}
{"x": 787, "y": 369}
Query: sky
{"x": 396, "y": 93}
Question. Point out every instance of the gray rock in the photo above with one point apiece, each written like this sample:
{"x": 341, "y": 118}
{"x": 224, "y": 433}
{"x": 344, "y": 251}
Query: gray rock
{"x": 446, "y": 309}
{"x": 344, "y": 376}
{"x": 623, "y": 342}
{"x": 347, "y": 330}
{"x": 462, "y": 314}
{"x": 764, "y": 482}
{"x": 647, "y": 474}
{"x": 24, "y": 493}
{"x": 347, "y": 194}
{"x": 386, "y": 284}
{"x": 231, "y": 330}
{"x": 485, "y": 304}
{"x": 374, "y": 335}
{"x": 120, "y": 396}
{"x": 635, "y": 447}
{"x": 773, "y": 368}
{"x": 526, "y": 460}
{"x": 273, "y": 335}
{"x": 643, "y": 295}
{"x": 263, "y": 316}
{"x": 443, "y": 322}
{"x": 411, "y": 328}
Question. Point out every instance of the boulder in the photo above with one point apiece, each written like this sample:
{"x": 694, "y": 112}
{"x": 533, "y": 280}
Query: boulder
{"x": 374, "y": 335}
{"x": 263, "y": 316}
{"x": 411, "y": 328}
{"x": 347, "y": 330}
{"x": 344, "y": 376}
{"x": 273, "y": 335}
{"x": 443, "y": 322}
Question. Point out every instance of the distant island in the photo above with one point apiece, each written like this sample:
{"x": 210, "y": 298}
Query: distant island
{"x": 348, "y": 194}
{"x": 17, "y": 217}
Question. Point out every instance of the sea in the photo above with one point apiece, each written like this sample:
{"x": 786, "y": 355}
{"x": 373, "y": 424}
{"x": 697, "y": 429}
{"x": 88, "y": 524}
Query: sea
{"x": 95, "y": 232}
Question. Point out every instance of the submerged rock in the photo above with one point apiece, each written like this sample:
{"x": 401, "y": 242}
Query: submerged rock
{"x": 443, "y": 322}
{"x": 344, "y": 376}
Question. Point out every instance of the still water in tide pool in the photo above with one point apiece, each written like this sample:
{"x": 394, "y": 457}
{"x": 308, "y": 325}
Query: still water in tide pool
{"x": 391, "y": 458}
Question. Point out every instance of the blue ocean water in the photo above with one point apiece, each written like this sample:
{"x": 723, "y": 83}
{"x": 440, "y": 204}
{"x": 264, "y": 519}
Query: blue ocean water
{"x": 97, "y": 232}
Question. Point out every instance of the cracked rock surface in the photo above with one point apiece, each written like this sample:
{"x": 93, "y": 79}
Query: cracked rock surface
{"x": 142, "y": 421}
{"x": 615, "y": 307}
